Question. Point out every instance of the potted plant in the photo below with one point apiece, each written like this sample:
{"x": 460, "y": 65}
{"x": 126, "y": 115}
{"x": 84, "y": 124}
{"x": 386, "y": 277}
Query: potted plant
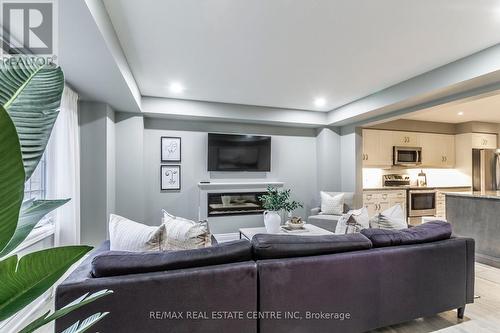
{"x": 276, "y": 202}
{"x": 29, "y": 103}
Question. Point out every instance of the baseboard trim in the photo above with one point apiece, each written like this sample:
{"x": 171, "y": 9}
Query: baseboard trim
{"x": 488, "y": 260}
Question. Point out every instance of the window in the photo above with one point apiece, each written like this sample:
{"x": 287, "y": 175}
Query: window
{"x": 36, "y": 186}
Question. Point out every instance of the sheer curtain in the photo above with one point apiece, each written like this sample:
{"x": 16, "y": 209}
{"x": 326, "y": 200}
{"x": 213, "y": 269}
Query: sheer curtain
{"x": 63, "y": 170}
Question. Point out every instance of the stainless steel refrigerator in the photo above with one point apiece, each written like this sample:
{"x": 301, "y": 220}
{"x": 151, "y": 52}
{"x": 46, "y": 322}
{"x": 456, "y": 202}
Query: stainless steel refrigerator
{"x": 486, "y": 170}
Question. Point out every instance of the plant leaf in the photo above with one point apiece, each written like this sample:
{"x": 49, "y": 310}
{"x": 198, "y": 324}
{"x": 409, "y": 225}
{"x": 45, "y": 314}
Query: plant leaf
{"x": 11, "y": 178}
{"x": 32, "y": 212}
{"x": 79, "y": 302}
{"x": 23, "y": 280}
{"x": 86, "y": 324}
{"x": 31, "y": 94}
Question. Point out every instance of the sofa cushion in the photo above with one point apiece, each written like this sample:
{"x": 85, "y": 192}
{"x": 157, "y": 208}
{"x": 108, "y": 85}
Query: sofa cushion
{"x": 353, "y": 221}
{"x": 269, "y": 246}
{"x": 184, "y": 234}
{"x": 391, "y": 218}
{"x": 424, "y": 233}
{"x": 127, "y": 235}
{"x": 332, "y": 204}
{"x": 113, "y": 263}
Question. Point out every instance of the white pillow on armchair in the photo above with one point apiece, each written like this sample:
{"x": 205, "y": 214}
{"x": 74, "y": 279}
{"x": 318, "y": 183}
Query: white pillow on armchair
{"x": 332, "y": 204}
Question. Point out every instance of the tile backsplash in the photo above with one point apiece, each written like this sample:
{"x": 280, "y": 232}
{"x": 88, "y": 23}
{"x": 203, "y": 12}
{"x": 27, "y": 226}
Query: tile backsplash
{"x": 372, "y": 177}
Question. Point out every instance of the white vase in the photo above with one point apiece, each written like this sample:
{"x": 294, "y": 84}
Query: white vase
{"x": 272, "y": 221}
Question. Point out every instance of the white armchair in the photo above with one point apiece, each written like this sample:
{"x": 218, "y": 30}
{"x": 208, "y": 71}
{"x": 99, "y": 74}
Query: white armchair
{"x": 329, "y": 222}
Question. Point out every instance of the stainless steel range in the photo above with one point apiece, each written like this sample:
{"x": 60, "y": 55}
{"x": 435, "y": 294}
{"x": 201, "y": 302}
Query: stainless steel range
{"x": 395, "y": 180}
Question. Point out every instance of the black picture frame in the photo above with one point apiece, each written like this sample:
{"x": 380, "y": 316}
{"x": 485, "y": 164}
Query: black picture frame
{"x": 166, "y": 187}
{"x": 163, "y": 143}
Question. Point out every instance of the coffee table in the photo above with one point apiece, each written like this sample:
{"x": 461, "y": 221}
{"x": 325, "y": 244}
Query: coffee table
{"x": 311, "y": 230}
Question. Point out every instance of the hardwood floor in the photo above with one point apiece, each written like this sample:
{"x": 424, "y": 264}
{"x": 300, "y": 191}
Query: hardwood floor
{"x": 482, "y": 316}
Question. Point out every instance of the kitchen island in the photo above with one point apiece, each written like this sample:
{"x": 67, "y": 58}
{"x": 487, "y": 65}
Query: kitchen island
{"x": 477, "y": 215}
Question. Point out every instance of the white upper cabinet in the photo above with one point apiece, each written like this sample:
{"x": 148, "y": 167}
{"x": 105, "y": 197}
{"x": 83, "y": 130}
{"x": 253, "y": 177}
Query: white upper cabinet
{"x": 484, "y": 141}
{"x": 438, "y": 150}
{"x": 377, "y": 148}
{"x": 405, "y": 139}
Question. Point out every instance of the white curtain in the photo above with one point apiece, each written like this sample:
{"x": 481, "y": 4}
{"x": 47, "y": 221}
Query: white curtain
{"x": 63, "y": 170}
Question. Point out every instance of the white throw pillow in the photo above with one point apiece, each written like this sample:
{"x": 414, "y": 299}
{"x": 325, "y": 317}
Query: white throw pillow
{"x": 127, "y": 235}
{"x": 353, "y": 221}
{"x": 391, "y": 218}
{"x": 332, "y": 204}
{"x": 184, "y": 234}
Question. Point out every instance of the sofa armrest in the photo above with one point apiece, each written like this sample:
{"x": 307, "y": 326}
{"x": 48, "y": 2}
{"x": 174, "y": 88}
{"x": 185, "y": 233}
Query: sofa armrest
{"x": 315, "y": 211}
{"x": 147, "y": 302}
{"x": 471, "y": 261}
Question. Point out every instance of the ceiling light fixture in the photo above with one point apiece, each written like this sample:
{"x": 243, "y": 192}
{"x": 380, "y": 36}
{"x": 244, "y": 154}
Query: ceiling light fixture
{"x": 460, "y": 113}
{"x": 176, "y": 88}
{"x": 320, "y": 102}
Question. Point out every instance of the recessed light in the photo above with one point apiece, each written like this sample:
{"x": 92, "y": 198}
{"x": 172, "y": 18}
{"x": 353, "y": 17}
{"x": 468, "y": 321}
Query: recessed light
{"x": 176, "y": 88}
{"x": 320, "y": 102}
{"x": 460, "y": 113}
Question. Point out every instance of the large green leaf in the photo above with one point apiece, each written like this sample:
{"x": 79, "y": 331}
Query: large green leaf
{"x": 23, "y": 280}
{"x": 11, "y": 178}
{"x": 31, "y": 94}
{"x": 86, "y": 324}
{"x": 79, "y": 302}
{"x": 32, "y": 212}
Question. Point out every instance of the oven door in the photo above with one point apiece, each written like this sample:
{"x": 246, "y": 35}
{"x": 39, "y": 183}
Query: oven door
{"x": 407, "y": 156}
{"x": 422, "y": 203}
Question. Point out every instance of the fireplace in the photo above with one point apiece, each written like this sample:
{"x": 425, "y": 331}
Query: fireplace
{"x": 243, "y": 203}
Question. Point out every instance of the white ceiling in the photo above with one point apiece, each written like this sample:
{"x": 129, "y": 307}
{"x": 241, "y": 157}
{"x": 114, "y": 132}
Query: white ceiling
{"x": 486, "y": 109}
{"x": 285, "y": 53}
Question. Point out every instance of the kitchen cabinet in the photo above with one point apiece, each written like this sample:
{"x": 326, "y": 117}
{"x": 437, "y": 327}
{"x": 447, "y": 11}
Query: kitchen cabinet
{"x": 405, "y": 139}
{"x": 438, "y": 150}
{"x": 376, "y": 201}
{"x": 377, "y": 148}
{"x": 484, "y": 141}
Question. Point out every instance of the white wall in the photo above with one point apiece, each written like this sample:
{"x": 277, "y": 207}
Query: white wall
{"x": 293, "y": 162}
{"x": 97, "y": 161}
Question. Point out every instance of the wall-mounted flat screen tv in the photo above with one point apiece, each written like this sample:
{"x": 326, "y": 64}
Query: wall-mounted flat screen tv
{"x": 229, "y": 152}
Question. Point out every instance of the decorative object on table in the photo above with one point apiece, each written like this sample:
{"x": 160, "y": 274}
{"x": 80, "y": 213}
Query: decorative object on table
{"x": 170, "y": 177}
{"x": 353, "y": 222}
{"x": 332, "y": 204}
{"x": 295, "y": 223}
{"x": 170, "y": 149}
{"x": 422, "y": 179}
{"x": 276, "y": 202}
{"x": 391, "y": 218}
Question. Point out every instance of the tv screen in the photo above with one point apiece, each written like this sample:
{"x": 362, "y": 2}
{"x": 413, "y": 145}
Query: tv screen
{"x": 229, "y": 152}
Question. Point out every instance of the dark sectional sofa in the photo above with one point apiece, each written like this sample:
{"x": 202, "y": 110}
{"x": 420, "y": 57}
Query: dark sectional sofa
{"x": 337, "y": 283}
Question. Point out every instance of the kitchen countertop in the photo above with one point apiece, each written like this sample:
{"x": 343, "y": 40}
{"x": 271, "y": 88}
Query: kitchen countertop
{"x": 388, "y": 188}
{"x": 476, "y": 194}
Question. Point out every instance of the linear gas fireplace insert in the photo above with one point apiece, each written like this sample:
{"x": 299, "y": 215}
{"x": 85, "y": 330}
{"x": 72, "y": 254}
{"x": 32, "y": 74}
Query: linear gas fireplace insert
{"x": 245, "y": 203}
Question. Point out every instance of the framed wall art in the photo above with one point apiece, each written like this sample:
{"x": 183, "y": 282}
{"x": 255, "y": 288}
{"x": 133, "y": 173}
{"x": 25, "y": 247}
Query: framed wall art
{"x": 170, "y": 177}
{"x": 170, "y": 149}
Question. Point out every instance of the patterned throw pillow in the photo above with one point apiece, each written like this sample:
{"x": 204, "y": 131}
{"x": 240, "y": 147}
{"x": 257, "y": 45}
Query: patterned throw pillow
{"x": 352, "y": 222}
{"x": 392, "y": 218}
{"x": 332, "y": 204}
{"x": 184, "y": 234}
{"x": 127, "y": 235}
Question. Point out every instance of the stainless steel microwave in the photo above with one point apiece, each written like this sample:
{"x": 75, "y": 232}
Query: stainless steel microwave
{"x": 407, "y": 156}
{"x": 421, "y": 203}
